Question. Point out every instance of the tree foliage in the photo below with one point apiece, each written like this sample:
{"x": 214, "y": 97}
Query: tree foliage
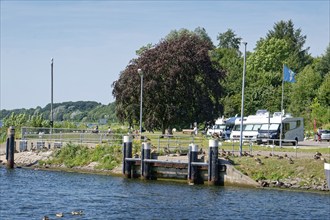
{"x": 304, "y": 90}
{"x": 299, "y": 56}
{"x": 284, "y": 44}
{"x": 229, "y": 39}
{"x": 20, "y": 120}
{"x": 324, "y": 65}
{"x": 324, "y": 91}
{"x": 269, "y": 56}
{"x": 179, "y": 81}
{"x": 80, "y": 111}
{"x": 231, "y": 62}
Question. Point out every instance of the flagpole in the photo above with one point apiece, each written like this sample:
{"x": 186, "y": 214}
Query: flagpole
{"x": 281, "y": 128}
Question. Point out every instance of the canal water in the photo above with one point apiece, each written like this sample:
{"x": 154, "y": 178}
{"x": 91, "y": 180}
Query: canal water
{"x": 33, "y": 194}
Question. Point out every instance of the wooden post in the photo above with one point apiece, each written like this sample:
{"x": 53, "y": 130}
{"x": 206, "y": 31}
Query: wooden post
{"x": 127, "y": 153}
{"x": 327, "y": 173}
{"x": 145, "y": 167}
{"x": 213, "y": 169}
{"x": 192, "y": 170}
{"x": 189, "y": 164}
{"x": 10, "y": 147}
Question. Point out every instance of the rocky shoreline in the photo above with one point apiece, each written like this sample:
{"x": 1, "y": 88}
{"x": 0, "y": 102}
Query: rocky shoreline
{"x": 30, "y": 159}
{"x": 295, "y": 184}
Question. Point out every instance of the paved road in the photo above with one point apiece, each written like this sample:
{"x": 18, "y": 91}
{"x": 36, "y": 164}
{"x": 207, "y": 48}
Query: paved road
{"x": 311, "y": 143}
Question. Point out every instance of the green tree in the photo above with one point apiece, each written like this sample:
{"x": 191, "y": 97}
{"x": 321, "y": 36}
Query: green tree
{"x": 304, "y": 91}
{"x": 324, "y": 65}
{"x": 299, "y": 56}
{"x": 264, "y": 76}
{"x": 269, "y": 56}
{"x": 16, "y": 120}
{"x": 179, "y": 82}
{"x": 229, "y": 39}
{"x": 199, "y": 32}
{"x": 319, "y": 113}
{"x": 37, "y": 121}
{"x": 144, "y": 48}
{"x": 324, "y": 91}
{"x": 229, "y": 60}
{"x": 263, "y": 93}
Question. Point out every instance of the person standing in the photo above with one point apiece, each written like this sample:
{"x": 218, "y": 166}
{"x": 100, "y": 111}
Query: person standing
{"x": 195, "y": 131}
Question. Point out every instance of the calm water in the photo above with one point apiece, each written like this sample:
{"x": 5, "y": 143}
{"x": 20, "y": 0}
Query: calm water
{"x": 32, "y": 194}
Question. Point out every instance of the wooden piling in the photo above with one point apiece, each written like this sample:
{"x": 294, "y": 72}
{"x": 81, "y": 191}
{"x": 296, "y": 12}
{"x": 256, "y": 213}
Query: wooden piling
{"x": 145, "y": 167}
{"x": 192, "y": 170}
{"x": 127, "y": 153}
{"x": 213, "y": 168}
{"x": 10, "y": 147}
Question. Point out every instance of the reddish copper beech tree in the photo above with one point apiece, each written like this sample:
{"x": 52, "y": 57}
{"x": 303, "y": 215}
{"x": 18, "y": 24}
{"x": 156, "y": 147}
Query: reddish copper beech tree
{"x": 180, "y": 85}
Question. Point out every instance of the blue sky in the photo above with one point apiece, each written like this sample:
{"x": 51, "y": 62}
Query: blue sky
{"x": 93, "y": 41}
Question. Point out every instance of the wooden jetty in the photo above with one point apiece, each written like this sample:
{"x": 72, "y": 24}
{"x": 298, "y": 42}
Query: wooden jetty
{"x": 195, "y": 171}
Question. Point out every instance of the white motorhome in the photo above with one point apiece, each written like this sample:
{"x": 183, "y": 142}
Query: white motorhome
{"x": 218, "y": 128}
{"x": 292, "y": 130}
{"x": 251, "y": 125}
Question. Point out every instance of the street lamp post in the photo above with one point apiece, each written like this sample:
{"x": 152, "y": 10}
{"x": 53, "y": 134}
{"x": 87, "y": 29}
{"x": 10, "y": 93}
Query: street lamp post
{"x": 51, "y": 96}
{"x": 141, "y": 75}
{"x": 242, "y": 107}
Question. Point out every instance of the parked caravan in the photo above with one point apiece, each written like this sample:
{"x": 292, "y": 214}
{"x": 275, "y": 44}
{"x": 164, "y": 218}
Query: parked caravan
{"x": 222, "y": 127}
{"x": 218, "y": 128}
{"x": 236, "y": 132}
{"x": 251, "y": 125}
{"x": 230, "y": 123}
{"x": 292, "y": 130}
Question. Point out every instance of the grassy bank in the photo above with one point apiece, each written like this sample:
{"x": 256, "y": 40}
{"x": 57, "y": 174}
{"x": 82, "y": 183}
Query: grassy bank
{"x": 266, "y": 166}
{"x": 274, "y": 169}
{"x": 72, "y": 155}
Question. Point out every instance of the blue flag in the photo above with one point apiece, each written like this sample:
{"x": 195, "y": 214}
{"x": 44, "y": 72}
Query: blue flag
{"x": 288, "y": 75}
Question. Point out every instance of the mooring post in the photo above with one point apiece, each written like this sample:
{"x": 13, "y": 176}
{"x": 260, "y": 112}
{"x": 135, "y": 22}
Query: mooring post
{"x": 127, "y": 153}
{"x": 192, "y": 170}
{"x": 145, "y": 167}
{"x": 10, "y": 147}
{"x": 213, "y": 168}
{"x": 189, "y": 164}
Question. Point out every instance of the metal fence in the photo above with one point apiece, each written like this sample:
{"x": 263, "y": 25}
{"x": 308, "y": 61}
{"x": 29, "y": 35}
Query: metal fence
{"x": 69, "y": 135}
{"x": 44, "y": 137}
{"x": 38, "y": 138}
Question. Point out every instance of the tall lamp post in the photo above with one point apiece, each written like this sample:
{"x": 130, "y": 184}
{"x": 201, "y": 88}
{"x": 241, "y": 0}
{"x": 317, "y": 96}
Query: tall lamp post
{"x": 51, "y": 96}
{"x": 140, "y": 72}
{"x": 242, "y": 107}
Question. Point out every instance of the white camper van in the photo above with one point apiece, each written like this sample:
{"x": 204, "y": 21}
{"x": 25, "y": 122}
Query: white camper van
{"x": 251, "y": 125}
{"x": 292, "y": 130}
{"x": 218, "y": 128}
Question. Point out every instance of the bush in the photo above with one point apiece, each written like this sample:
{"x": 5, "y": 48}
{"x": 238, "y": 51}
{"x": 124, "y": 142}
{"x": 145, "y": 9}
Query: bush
{"x": 79, "y": 155}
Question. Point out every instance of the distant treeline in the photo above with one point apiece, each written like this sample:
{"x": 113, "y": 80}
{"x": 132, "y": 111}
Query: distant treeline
{"x": 80, "y": 111}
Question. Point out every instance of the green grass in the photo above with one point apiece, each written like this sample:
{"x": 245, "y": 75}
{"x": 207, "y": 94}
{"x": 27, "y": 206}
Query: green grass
{"x": 272, "y": 168}
{"x": 72, "y": 155}
{"x": 228, "y": 146}
{"x": 276, "y": 169}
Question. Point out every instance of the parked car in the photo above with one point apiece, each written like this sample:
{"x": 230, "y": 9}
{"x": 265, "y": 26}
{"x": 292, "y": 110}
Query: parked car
{"x": 325, "y": 135}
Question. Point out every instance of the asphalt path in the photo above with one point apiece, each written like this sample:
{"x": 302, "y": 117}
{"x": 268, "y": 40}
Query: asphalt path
{"x": 314, "y": 144}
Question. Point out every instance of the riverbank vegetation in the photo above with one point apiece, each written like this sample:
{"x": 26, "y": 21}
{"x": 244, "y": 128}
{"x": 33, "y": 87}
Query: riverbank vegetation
{"x": 72, "y": 155}
{"x": 264, "y": 165}
{"x": 105, "y": 156}
{"x": 305, "y": 171}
